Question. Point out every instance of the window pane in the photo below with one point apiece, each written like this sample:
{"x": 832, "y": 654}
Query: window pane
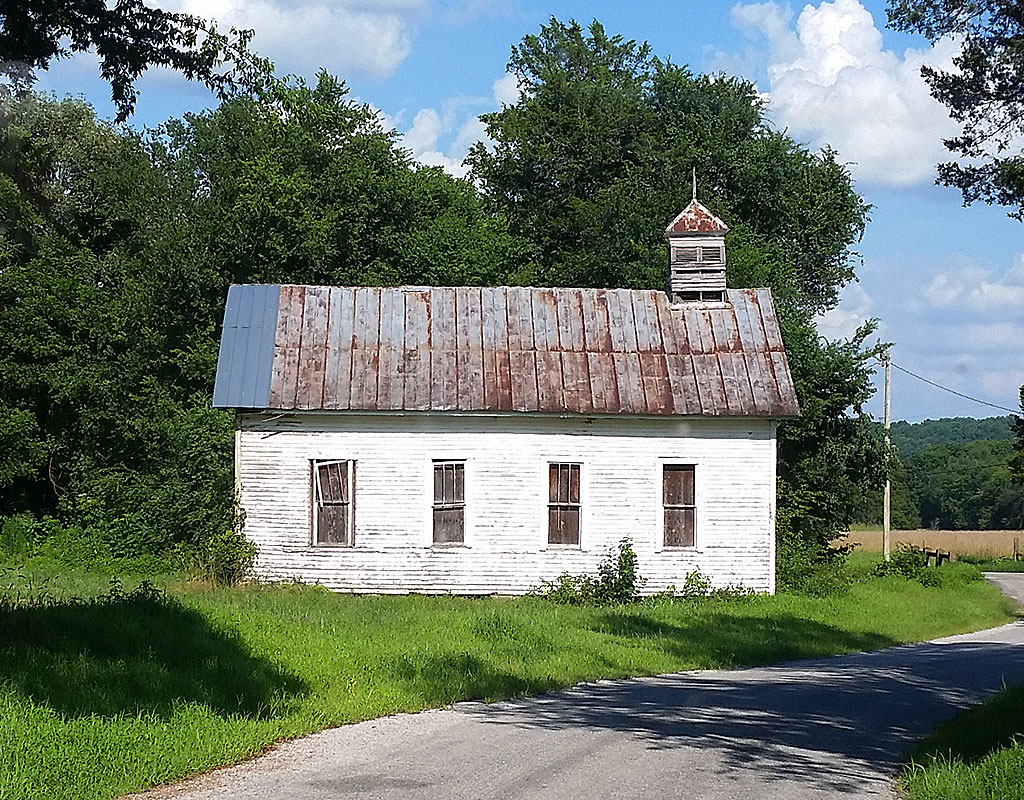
{"x": 448, "y": 525}
{"x": 679, "y": 527}
{"x": 333, "y": 482}
{"x": 341, "y": 481}
{"x": 460, "y": 482}
{"x": 332, "y": 524}
{"x": 574, "y": 483}
{"x": 553, "y": 483}
{"x": 438, "y": 484}
{"x": 449, "y": 483}
{"x": 678, "y": 485}
{"x": 563, "y": 525}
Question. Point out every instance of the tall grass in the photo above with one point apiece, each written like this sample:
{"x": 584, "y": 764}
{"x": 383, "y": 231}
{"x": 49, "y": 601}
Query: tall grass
{"x": 127, "y": 690}
{"x": 980, "y": 544}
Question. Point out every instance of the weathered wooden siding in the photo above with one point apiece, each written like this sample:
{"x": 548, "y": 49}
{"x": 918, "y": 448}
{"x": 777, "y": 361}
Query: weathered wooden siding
{"x": 506, "y": 489}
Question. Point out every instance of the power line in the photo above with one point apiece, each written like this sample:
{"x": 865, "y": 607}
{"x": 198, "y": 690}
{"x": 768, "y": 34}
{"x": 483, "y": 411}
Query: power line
{"x": 954, "y": 391}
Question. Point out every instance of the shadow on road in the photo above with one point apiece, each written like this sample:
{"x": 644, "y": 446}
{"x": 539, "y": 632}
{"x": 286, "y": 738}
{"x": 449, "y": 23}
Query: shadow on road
{"x": 830, "y": 723}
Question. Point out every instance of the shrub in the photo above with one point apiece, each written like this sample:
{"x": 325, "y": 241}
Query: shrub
{"x": 229, "y": 557}
{"x": 17, "y": 536}
{"x": 803, "y": 569}
{"x": 906, "y": 562}
{"x": 618, "y": 581}
{"x": 696, "y": 585}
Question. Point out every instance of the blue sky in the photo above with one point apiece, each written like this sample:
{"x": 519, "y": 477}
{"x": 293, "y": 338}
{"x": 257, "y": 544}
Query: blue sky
{"x": 946, "y": 283}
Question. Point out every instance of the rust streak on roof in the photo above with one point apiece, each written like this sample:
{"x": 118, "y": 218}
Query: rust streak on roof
{"x": 501, "y": 349}
{"x": 696, "y": 218}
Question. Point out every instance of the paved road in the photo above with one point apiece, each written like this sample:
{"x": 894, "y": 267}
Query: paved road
{"x": 827, "y": 728}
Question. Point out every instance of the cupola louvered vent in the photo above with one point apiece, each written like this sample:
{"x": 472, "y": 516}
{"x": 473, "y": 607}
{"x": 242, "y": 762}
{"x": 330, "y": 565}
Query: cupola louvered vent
{"x": 712, "y": 255}
{"x": 686, "y": 255}
{"x": 696, "y": 241}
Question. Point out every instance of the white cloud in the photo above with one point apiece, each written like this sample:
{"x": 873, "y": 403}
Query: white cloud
{"x": 831, "y": 81}
{"x": 429, "y": 127}
{"x": 987, "y": 337}
{"x": 853, "y": 310}
{"x": 465, "y": 11}
{"x": 506, "y": 90}
{"x": 301, "y": 36}
{"x": 978, "y": 289}
{"x": 459, "y": 122}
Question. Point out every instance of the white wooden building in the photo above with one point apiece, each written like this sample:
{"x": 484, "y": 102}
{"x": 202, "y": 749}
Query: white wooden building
{"x": 482, "y": 440}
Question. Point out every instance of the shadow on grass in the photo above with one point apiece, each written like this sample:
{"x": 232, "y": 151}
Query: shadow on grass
{"x": 972, "y": 735}
{"x": 132, "y": 654}
{"x": 729, "y": 640}
{"x": 448, "y": 678}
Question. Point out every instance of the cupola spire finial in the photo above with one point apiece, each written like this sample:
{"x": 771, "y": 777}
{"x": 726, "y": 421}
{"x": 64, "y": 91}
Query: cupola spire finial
{"x": 694, "y": 183}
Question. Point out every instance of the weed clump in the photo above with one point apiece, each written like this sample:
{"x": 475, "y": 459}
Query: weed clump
{"x": 617, "y": 582}
{"x": 912, "y": 564}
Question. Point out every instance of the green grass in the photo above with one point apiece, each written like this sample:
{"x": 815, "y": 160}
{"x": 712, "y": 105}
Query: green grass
{"x": 996, "y": 565}
{"x": 101, "y": 698}
{"x": 978, "y": 755}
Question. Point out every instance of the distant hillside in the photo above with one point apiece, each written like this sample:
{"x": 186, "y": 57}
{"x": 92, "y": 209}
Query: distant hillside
{"x": 912, "y": 437}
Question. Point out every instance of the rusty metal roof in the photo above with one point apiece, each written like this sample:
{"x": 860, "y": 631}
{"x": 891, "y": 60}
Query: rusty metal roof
{"x": 696, "y": 218}
{"x": 506, "y": 349}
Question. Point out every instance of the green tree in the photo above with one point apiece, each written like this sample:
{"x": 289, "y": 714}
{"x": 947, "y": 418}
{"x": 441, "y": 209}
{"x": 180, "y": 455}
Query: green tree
{"x": 1017, "y": 460}
{"x": 116, "y": 262}
{"x": 911, "y": 437}
{"x": 985, "y": 93}
{"x": 129, "y": 37}
{"x": 966, "y": 486}
{"x": 593, "y": 161}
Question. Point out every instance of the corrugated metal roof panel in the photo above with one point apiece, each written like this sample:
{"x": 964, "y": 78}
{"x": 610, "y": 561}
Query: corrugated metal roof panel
{"x": 587, "y": 351}
{"x": 246, "y": 358}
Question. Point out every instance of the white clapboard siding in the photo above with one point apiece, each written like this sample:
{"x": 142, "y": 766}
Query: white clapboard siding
{"x": 506, "y": 491}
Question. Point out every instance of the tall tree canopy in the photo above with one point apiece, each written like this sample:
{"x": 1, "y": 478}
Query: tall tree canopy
{"x": 595, "y": 159}
{"x": 128, "y": 36}
{"x": 116, "y": 252}
{"x": 985, "y": 93}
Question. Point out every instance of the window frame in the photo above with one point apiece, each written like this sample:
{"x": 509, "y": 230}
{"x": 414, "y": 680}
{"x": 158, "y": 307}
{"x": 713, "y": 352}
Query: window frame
{"x": 663, "y": 465}
{"x": 316, "y": 503}
{"x": 550, "y": 504}
{"x": 435, "y": 506}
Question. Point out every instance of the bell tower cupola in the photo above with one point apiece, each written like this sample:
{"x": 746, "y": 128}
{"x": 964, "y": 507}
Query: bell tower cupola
{"x": 696, "y": 254}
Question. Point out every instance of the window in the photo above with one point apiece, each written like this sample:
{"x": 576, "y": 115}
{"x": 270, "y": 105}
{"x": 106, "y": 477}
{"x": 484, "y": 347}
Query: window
{"x": 449, "y": 502}
{"x": 678, "y": 498}
{"x": 564, "y": 504}
{"x": 332, "y": 502}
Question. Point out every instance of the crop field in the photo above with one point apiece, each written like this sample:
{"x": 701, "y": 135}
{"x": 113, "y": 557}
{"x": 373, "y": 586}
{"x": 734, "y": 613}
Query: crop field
{"x": 979, "y": 544}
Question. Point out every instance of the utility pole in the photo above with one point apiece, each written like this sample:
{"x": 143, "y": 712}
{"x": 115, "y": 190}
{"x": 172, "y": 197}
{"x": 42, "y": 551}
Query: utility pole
{"x": 887, "y": 502}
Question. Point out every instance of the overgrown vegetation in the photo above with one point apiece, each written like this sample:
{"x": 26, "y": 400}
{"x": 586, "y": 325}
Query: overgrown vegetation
{"x": 978, "y": 755}
{"x": 118, "y": 247}
{"x": 157, "y": 685}
{"x": 912, "y": 564}
{"x": 617, "y": 582}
